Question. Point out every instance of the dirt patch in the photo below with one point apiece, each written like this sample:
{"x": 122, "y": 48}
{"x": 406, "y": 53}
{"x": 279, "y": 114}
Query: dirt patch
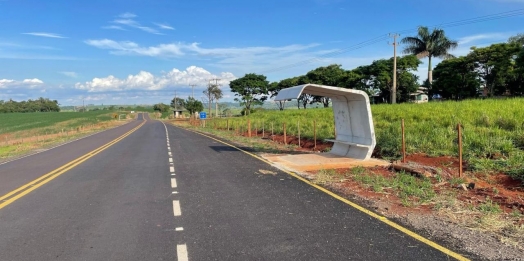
{"x": 490, "y": 236}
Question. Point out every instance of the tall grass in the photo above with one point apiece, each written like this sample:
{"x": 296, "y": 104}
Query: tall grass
{"x": 493, "y": 130}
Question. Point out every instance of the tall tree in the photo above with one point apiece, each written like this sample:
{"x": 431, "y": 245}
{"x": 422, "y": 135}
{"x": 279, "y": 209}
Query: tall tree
{"x": 379, "y": 76}
{"x": 331, "y": 75}
{"x": 250, "y": 89}
{"x": 217, "y": 95}
{"x": 517, "y": 39}
{"x": 193, "y": 105}
{"x": 495, "y": 65}
{"x": 456, "y": 79}
{"x": 429, "y": 44}
{"x": 177, "y": 103}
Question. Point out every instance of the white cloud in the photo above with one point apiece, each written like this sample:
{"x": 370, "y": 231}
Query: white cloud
{"x": 127, "y": 15}
{"x": 114, "y": 27}
{"x": 42, "y": 34}
{"x": 131, "y": 48}
{"x": 26, "y": 83}
{"x": 164, "y": 26}
{"x": 486, "y": 36}
{"x": 147, "y": 81}
{"x": 232, "y": 55}
{"x": 70, "y": 74}
{"x": 127, "y": 21}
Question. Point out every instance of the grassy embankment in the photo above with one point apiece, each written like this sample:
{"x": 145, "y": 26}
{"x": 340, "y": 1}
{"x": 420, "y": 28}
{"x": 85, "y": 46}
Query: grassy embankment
{"x": 21, "y": 132}
{"x": 493, "y": 131}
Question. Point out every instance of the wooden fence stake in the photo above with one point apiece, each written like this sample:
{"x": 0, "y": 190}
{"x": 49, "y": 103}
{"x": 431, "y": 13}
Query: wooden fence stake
{"x": 315, "y": 134}
{"x": 298, "y": 127}
{"x": 263, "y": 133}
{"x": 460, "y": 148}
{"x": 284, "y": 127}
{"x": 249, "y": 128}
{"x": 403, "y": 143}
{"x": 227, "y": 124}
{"x": 272, "y": 134}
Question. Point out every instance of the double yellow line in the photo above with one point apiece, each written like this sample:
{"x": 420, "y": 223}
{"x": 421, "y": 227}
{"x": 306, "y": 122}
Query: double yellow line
{"x": 27, "y": 188}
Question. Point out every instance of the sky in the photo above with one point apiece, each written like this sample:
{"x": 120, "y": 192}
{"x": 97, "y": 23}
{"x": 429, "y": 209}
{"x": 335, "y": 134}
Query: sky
{"x": 143, "y": 51}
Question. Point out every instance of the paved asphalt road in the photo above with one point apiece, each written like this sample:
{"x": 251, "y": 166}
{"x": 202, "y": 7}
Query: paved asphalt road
{"x": 212, "y": 202}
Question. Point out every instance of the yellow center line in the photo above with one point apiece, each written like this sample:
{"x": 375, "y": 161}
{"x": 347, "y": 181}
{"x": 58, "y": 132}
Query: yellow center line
{"x": 27, "y": 188}
{"x": 354, "y": 205}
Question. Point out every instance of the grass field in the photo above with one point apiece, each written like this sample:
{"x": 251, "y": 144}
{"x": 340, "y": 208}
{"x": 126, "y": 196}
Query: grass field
{"x": 493, "y": 130}
{"x": 15, "y": 122}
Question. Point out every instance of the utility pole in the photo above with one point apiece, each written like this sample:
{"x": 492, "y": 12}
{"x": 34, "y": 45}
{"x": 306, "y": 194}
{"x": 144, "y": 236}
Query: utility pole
{"x": 176, "y": 112}
{"x": 216, "y": 102}
{"x": 193, "y": 90}
{"x": 394, "y": 89}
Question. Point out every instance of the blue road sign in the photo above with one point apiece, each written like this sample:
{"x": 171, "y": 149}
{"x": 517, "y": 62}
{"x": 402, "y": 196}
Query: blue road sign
{"x": 203, "y": 115}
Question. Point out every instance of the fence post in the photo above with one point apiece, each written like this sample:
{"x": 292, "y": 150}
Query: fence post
{"x": 272, "y": 133}
{"x": 284, "y": 127}
{"x": 460, "y": 148}
{"x": 298, "y": 126}
{"x": 248, "y": 128}
{"x": 227, "y": 124}
{"x": 315, "y": 134}
{"x": 263, "y": 133}
{"x": 403, "y": 143}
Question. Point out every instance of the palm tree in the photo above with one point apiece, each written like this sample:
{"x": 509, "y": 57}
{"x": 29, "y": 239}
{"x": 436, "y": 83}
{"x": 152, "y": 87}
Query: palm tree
{"x": 429, "y": 44}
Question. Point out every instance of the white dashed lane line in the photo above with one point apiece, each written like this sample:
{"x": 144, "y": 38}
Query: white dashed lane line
{"x": 176, "y": 208}
{"x": 181, "y": 251}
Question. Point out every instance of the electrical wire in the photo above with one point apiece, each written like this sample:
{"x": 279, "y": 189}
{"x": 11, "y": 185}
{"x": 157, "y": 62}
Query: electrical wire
{"x": 474, "y": 20}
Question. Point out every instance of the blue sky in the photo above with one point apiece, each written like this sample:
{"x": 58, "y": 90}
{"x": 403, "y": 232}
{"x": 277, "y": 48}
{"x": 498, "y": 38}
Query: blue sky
{"x": 141, "y": 51}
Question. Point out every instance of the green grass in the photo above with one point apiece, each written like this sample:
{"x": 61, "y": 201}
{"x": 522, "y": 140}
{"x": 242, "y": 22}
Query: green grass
{"x": 13, "y": 122}
{"x": 493, "y": 130}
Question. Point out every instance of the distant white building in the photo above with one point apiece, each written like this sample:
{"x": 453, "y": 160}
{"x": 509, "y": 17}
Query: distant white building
{"x": 420, "y": 96}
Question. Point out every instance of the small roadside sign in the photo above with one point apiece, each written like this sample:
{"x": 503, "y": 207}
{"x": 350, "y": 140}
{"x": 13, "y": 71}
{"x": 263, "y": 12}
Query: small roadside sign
{"x": 203, "y": 115}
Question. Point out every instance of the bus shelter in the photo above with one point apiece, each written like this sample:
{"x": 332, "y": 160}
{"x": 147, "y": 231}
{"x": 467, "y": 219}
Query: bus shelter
{"x": 355, "y": 134}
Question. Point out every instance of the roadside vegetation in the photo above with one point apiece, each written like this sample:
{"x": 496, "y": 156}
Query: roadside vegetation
{"x": 493, "y": 130}
{"x": 24, "y": 132}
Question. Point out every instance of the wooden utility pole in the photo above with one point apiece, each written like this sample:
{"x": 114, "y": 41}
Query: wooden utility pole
{"x": 394, "y": 89}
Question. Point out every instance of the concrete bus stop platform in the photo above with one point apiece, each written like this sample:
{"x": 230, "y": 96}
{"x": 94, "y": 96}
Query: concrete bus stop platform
{"x": 315, "y": 162}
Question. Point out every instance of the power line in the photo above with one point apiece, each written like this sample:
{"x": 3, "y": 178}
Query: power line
{"x": 479, "y": 19}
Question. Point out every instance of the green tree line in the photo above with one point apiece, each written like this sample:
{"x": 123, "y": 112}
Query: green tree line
{"x": 39, "y": 105}
{"x": 495, "y": 70}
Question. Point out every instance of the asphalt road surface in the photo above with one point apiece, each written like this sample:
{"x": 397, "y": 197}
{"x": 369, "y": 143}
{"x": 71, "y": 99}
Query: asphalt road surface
{"x": 164, "y": 193}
